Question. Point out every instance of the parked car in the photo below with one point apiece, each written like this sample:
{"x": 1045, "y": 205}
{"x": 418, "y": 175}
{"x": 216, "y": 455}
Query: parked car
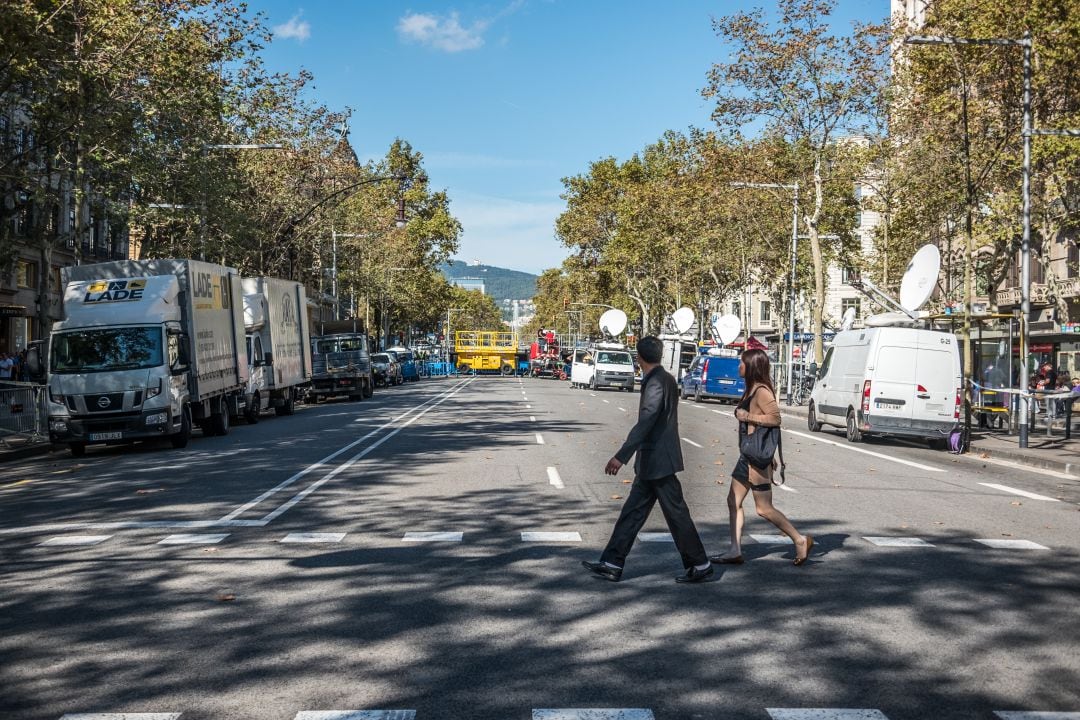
{"x": 407, "y": 360}
{"x": 386, "y": 369}
{"x": 715, "y": 375}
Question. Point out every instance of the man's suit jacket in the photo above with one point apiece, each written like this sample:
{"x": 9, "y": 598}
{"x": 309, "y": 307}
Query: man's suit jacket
{"x": 655, "y": 437}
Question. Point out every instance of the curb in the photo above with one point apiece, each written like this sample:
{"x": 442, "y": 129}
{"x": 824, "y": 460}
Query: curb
{"x": 27, "y": 451}
{"x": 1021, "y": 458}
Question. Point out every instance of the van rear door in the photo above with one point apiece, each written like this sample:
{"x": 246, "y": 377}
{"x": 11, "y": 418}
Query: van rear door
{"x": 936, "y": 377}
{"x": 892, "y": 384}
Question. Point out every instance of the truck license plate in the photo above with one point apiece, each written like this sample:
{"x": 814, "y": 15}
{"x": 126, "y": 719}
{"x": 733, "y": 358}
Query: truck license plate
{"x": 106, "y": 436}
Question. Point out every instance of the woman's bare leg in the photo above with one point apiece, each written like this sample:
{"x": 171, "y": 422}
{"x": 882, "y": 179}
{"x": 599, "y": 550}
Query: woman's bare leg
{"x": 765, "y": 509}
{"x": 736, "y": 518}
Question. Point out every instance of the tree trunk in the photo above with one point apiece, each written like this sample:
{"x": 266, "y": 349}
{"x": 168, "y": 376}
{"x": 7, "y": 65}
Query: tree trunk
{"x": 819, "y": 270}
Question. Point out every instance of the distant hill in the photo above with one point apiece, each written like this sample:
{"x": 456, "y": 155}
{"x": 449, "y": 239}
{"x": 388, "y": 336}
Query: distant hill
{"x": 499, "y": 283}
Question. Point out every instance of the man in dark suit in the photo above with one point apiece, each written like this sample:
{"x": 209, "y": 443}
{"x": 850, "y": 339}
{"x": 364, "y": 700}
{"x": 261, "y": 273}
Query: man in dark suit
{"x": 655, "y": 439}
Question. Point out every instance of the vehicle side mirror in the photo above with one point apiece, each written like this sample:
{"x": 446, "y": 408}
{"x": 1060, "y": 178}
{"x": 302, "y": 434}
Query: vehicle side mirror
{"x": 268, "y": 358}
{"x": 181, "y": 359}
{"x": 814, "y": 369}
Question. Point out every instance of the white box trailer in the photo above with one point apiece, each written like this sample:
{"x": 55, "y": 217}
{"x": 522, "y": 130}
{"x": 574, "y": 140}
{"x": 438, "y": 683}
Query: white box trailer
{"x": 278, "y": 344}
{"x": 146, "y": 349}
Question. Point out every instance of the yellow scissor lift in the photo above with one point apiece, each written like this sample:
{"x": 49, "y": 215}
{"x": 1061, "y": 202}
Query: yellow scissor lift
{"x": 486, "y": 351}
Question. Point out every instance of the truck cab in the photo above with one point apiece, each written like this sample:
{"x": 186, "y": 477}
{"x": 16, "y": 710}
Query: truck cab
{"x": 341, "y": 365}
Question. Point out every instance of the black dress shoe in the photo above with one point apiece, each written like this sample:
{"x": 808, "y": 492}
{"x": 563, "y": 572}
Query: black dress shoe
{"x": 603, "y": 570}
{"x": 696, "y": 576}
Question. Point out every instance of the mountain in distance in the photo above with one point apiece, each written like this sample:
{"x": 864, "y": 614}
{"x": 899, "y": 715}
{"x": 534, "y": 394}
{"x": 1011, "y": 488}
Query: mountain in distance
{"x": 500, "y": 283}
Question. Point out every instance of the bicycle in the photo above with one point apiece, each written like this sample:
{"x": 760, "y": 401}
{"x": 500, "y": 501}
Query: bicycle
{"x": 804, "y": 385}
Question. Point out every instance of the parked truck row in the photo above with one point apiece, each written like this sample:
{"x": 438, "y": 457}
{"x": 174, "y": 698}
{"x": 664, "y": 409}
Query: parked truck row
{"x": 153, "y": 348}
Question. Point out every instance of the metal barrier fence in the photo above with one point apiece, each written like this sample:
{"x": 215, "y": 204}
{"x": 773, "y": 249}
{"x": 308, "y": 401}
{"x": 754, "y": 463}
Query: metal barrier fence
{"x": 439, "y": 369}
{"x": 22, "y": 412}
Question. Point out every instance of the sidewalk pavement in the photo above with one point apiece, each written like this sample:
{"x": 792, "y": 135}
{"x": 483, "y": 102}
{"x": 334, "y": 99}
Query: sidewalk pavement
{"x": 1043, "y": 451}
{"x": 15, "y": 447}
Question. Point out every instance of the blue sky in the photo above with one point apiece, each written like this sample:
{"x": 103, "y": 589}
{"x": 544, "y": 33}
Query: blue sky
{"x": 506, "y": 98}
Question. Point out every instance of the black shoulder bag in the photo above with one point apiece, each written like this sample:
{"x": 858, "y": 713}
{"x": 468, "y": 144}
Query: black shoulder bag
{"x": 760, "y": 446}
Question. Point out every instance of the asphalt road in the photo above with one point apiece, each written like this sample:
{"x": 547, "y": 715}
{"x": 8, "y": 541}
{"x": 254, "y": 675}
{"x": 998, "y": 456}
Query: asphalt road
{"x": 420, "y": 593}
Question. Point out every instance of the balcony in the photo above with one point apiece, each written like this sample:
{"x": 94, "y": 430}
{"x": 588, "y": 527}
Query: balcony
{"x": 1040, "y": 295}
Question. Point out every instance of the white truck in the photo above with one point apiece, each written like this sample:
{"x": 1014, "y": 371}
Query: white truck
{"x": 278, "y": 345}
{"x": 146, "y": 349}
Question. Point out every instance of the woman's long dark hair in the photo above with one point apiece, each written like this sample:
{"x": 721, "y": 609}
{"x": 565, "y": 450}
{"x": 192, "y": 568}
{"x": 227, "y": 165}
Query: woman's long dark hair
{"x": 757, "y": 371}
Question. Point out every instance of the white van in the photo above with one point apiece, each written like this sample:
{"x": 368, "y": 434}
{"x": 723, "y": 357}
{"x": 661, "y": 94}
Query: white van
{"x": 605, "y": 365}
{"x": 889, "y": 381}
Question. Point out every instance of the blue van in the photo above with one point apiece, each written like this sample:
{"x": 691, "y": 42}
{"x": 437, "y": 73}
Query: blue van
{"x": 714, "y": 376}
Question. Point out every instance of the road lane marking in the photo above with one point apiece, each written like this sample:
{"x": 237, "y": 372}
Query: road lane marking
{"x": 719, "y": 412}
{"x": 120, "y": 716}
{"x": 1004, "y": 544}
{"x": 898, "y": 542}
{"x": 605, "y": 400}
{"x": 655, "y": 537}
{"x": 528, "y": 407}
{"x": 691, "y": 442}
{"x": 594, "y": 395}
{"x": 825, "y": 714}
{"x": 313, "y": 537}
{"x": 881, "y": 456}
{"x": 532, "y": 418}
{"x": 593, "y": 714}
{"x": 193, "y": 539}
{"x": 539, "y": 439}
{"x": 1036, "y": 715}
{"x": 554, "y": 479}
{"x": 525, "y": 399}
{"x": 773, "y": 539}
{"x": 433, "y": 537}
{"x": 785, "y": 488}
{"x": 356, "y": 715}
{"x": 1021, "y": 493}
{"x": 134, "y": 525}
{"x": 291, "y": 502}
{"x": 535, "y": 536}
{"x": 623, "y": 409}
{"x": 68, "y": 540}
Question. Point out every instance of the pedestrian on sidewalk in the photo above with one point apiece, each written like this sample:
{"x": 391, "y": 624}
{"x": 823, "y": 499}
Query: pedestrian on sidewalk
{"x": 655, "y": 439}
{"x": 757, "y": 409}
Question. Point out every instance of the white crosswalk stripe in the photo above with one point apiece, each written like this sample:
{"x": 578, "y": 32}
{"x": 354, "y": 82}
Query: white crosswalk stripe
{"x": 356, "y": 715}
{"x": 70, "y": 540}
{"x": 1036, "y": 715}
{"x": 121, "y": 716}
{"x": 313, "y": 537}
{"x": 433, "y": 537}
{"x": 593, "y": 714}
{"x": 193, "y": 539}
{"x": 537, "y": 536}
{"x": 898, "y": 542}
{"x": 1005, "y": 544}
{"x": 825, "y": 714}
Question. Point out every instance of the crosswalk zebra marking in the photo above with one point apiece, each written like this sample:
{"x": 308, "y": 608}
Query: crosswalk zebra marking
{"x": 121, "y": 716}
{"x": 593, "y": 714}
{"x": 356, "y": 715}
{"x": 655, "y": 537}
{"x": 72, "y": 540}
{"x": 313, "y": 537}
{"x": 1005, "y": 544}
{"x": 433, "y": 537}
{"x": 898, "y": 542}
{"x": 825, "y": 714}
{"x": 541, "y": 537}
{"x": 193, "y": 539}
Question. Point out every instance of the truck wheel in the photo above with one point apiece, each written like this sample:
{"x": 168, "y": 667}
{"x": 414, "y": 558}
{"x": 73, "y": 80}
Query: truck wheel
{"x": 507, "y": 370}
{"x": 811, "y": 419}
{"x": 251, "y": 412}
{"x": 219, "y": 421}
{"x": 853, "y": 433}
{"x": 368, "y": 390}
{"x": 78, "y": 449}
{"x": 180, "y": 439}
{"x": 290, "y": 404}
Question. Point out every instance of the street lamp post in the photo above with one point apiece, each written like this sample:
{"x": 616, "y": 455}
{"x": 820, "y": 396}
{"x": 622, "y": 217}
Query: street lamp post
{"x": 794, "y": 187}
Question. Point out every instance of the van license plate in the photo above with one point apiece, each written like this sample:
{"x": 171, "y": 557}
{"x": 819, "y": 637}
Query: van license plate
{"x": 106, "y": 436}
{"x": 727, "y": 382}
{"x": 888, "y": 406}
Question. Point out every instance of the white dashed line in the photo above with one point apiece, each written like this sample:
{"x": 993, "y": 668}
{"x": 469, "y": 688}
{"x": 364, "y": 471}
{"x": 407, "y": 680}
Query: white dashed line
{"x": 623, "y": 409}
{"x": 824, "y": 714}
{"x": 193, "y": 539}
{"x": 786, "y": 488}
{"x": 528, "y": 407}
{"x": 691, "y": 442}
{"x": 655, "y": 537}
{"x": 532, "y": 418}
{"x": 1036, "y": 715}
{"x": 539, "y": 439}
{"x": 121, "y": 716}
{"x": 69, "y": 540}
{"x": 605, "y": 400}
{"x": 1021, "y": 493}
{"x": 356, "y": 715}
{"x": 313, "y": 537}
{"x": 550, "y": 537}
{"x": 1004, "y": 544}
{"x": 719, "y": 412}
{"x": 554, "y": 479}
{"x": 898, "y": 542}
{"x": 772, "y": 539}
{"x": 881, "y": 456}
{"x": 593, "y": 714}
{"x": 433, "y": 537}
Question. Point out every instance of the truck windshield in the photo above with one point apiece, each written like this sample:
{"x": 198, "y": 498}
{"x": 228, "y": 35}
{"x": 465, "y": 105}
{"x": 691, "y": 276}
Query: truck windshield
{"x": 614, "y": 358}
{"x": 346, "y": 344}
{"x": 104, "y": 349}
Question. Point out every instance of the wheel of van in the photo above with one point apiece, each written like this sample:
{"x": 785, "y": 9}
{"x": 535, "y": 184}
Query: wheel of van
{"x": 592, "y": 383}
{"x": 78, "y": 449}
{"x": 180, "y": 439}
{"x": 290, "y": 404}
{"x": 811, "y": 419}
{"x": 853, "y": 433}
{"x": 251, "y": 412}
{"x": 697, "y": 394}
{"x": 220, "y": 420}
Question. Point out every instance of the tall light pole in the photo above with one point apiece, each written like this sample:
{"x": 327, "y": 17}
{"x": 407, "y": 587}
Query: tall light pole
{"x": 224, "y": 146}
{"x": 794, "y": 187}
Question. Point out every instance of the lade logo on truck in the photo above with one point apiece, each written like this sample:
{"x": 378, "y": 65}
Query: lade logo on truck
{"x": 208, "y": 288}
{"x": 104, "y": 291}
{"x": 288, "y": 312}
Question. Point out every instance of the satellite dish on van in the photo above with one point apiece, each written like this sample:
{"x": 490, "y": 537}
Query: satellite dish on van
{"x": 848, "y": 320}
{"x": 613, "y": 322}
{"x": 726, "y": 328}
{"x": 921, "y": 278}
{"x": 682, "y": 319}
{"x": 889, "y": 319}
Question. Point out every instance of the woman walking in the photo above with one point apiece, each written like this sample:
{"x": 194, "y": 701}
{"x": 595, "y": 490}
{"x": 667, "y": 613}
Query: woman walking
{"x": 757, "y": 409}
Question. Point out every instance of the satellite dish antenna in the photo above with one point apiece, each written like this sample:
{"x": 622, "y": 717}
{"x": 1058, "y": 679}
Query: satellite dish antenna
{"x": 848, "y": 320}
{"x": 726, "y": 328}
{"x": 920, "y": 279}
{"x": 682, "y": 319}
{"x": 613, "y": 322}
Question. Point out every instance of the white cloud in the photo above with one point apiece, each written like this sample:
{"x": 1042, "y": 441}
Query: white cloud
{"x": 295, "y": 29}
{"x": 442, "y": 33}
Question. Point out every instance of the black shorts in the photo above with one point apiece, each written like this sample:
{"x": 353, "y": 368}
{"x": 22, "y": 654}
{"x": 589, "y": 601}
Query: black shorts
{"x": 741, "y": 473}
